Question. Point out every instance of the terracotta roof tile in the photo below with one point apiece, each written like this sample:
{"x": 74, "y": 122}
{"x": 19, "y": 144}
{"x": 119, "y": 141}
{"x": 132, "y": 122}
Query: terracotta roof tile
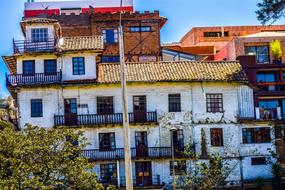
{"x": 81, "y": 43}
{"x": 38, "y": 20}
{"x": 173, "y": 71}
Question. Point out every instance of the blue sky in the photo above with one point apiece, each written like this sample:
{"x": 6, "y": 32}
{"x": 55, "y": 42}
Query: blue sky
{"x": 181, "y": 14}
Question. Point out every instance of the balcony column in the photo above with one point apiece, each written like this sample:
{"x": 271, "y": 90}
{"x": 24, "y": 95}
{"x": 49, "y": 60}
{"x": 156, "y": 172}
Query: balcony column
{"x": 257, "y": 113}
{"x": 118, "y": 174}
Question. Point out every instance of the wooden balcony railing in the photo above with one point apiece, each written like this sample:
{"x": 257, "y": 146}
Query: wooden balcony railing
{"x": 36, "y": 79}
{"x": 149, "y": 152}
{"x": 103, "y": 119}
{"x": 28, "y": 46}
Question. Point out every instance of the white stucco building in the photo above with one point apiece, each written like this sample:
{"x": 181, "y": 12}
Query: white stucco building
{"x": 202, "y": 104}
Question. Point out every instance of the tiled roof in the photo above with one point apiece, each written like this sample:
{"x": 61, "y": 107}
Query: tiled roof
{"x": 11, "y": 63}
{"x": 173, "y": 72}
{"x": 38, "y": 20}
{"x": 81, "y": 43}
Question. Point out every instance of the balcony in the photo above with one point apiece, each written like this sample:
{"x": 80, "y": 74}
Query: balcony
{"x": 36, "y": 79}
{"x": 137, "y": 153}
{"x": 103, "y": 119}
{"x": 138, "y": 181}
{"x": 28, "y": 46}
{"x": 268, "y": 114}
{"x": 143, "y": 181}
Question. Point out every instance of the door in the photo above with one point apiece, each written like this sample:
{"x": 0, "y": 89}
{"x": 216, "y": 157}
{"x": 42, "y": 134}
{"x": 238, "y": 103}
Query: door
{"x": 178, "y": 142}
{"x": 70, "y": 112}
{"x": 139, "y": 109}
{"x": 143, "y": 174}
{"x": 141, "y": 144}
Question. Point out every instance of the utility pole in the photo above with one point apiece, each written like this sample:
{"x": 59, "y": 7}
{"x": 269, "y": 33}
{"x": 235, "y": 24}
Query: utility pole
{"x": 128, "y": 159}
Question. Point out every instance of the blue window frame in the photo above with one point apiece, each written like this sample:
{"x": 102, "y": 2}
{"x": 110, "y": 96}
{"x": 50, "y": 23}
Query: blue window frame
{"x": 256, "y": 135}
{"x": 39, "y": 35}
{"x": 50, "y": 67}
{"x": 110, "y": 59}
{"x": 266, "y": 77}
{"x": 261, "y": 53}
{"x": 29, "y": 68}
{"x": 110, "y": 36}
{"x": 140, "y": 29}
{"x": 78, "y": 65}
{"x": 37, "y": 108}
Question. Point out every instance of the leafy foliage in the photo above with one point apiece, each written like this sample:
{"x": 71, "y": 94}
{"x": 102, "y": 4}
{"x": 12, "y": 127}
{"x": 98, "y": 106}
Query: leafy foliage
{"x": 36, "y": 158}
{"x": 270, "y": 10}
{"x": 276, "y": 49}
{"x": 204, "y": 175}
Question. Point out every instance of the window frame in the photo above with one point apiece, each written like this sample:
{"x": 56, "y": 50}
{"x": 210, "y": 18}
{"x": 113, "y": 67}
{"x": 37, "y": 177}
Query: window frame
{"x": 108, "y": 105}
{"x": 47, "y": 71}
{"x": 78, "y": 66}
{"x": 212, "y": 101}
{"x": 115, "y": 38}
{"x": 32, "y": 70}
{"x": 107, "y": 141}
{"x": 180, "y": 168}
{"x": 217, "y": 133}
{"x": 105, "y": 172}
{"x": 259, "y": 135}
{"x": 172, "y": 105}
{"x": 135, "y": 29}
{"x": 36, "y": 108}
{"x": 110, "y": 59}
{"x": 39, "y": 35}
{"x": 257, "y": 53}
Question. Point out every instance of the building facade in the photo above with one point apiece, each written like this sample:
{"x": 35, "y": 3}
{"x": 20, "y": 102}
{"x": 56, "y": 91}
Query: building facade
{"x": 60, "y": 82}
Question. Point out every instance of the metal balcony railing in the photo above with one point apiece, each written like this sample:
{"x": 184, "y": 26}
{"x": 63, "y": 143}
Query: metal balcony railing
{"x": 147, "y": 152}
{"x": 103, "y": 119}
{"x": 268, "y": 113}
{"x": 28, "y": 46}
{"x": 36, "y": 79}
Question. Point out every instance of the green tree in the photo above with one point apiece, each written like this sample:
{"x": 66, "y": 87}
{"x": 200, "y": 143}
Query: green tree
{"x": 37, "y": 158}
{"x": 270, "y": 10}
{"x": 204, "y": 175}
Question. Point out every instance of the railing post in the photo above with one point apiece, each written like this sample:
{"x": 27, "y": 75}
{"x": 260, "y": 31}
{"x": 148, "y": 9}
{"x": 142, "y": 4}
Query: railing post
{"x": 257, "y": 113}
{"x": 279, "y": 113}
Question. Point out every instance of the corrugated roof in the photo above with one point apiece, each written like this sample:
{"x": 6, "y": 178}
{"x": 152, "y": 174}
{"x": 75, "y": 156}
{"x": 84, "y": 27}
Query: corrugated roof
{"x": 173, "y": 72}
{"x": 81, "y": 43}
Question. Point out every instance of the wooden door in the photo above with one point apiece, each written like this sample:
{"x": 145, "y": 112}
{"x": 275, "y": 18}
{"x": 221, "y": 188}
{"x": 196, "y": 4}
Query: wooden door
{"x": 141, "y": 144}
{"x": 178, "y": 142}
{"x": 140, "y": 109}
{"x": 143, "y": 174}
{"x": 70, "y": 112}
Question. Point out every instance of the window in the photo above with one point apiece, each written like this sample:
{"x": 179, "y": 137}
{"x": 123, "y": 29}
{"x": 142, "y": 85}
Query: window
{"x": 110, "y": 59}
{"x": 107, "y": 141}
{"x": 261, "y": 53}
{"x": 29, "y": 68}
{"x": 78, "y": 65}
{"x": 266, "y": 77}
{"x": 39, "y": 35}
{"x": 179, "y": 166}
{"x": 105, "y": 105}
{"x": 215, "y": 34}
{"x": 50, "y": 67}
{"x": 140, "y": 29}
{"x": 110, "y": 36}
{"x": 256, "y": 135}
{"x": 258, "y": 161}
{"x": 108, "y": 172}
{"x": 217, "y": 137}
{"x": 178, "y": 138}
{"x": 214, "y": 103}
{"x": 36, "y": 108}
{"x": 174, "y": 102}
